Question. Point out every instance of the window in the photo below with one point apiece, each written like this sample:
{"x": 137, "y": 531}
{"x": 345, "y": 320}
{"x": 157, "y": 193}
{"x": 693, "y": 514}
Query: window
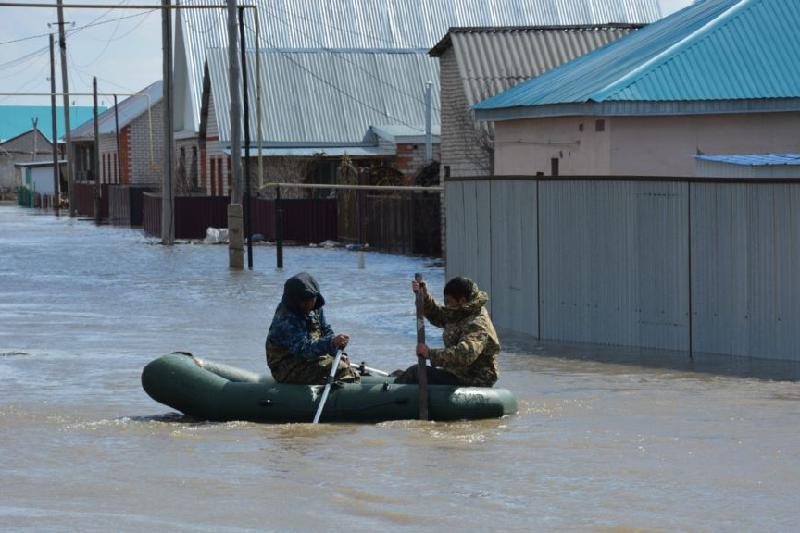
{"x": 600, "y": 125}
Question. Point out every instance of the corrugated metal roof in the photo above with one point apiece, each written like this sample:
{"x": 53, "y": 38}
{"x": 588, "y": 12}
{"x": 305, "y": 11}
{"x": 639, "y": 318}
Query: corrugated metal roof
{"x": 382, "y": 24}
{"x": 754, "y": 160}
{"x": 130, "y": 109}
{"x": 715, "y": 50}
{"x": 16, "y": 119}
{"x": 491, "y": 60}
{"x": 327, "y": 97}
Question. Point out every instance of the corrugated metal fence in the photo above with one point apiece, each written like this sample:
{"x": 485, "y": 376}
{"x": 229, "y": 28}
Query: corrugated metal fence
{"x": 701, "y": 266}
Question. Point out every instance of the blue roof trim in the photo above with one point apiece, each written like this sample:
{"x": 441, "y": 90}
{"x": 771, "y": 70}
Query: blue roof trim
{"x": 622, "y": 109}
{"x": 715, "y": 50}
{"x": 754, "y": 160}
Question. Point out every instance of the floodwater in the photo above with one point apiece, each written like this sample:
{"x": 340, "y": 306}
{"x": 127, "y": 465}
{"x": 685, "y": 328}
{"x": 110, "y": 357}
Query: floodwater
{"x": 596, "y": 446}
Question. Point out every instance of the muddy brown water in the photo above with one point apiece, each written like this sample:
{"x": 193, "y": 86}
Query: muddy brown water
{"x": 611, "y": 445}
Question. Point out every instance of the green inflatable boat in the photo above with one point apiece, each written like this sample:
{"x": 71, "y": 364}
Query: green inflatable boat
{"x": 212, "y": 391}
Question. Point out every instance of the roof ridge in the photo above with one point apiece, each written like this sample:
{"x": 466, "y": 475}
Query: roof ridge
{"x": 668, "y": 54}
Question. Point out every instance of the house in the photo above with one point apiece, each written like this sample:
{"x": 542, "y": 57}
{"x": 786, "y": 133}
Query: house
{"x": 477, "y": 63}
{"x": 18, "y": 138}
{"x": 299, "y": 34}
{"x": 603, "y": 224}
{"x": 36, "y": 182}
{"x": 720, "y": 76}
{"x": 366, "y": 104}
{"x": 136, "y": 155}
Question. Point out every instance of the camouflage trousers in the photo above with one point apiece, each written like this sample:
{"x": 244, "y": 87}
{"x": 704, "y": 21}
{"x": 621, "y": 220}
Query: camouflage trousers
{"x": 436, "y": 376}
{"x": 312, "y": 372}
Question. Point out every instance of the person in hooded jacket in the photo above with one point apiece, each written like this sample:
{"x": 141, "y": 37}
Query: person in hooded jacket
{"x": 300, "y": 345}
{"x": 471, "y": 346}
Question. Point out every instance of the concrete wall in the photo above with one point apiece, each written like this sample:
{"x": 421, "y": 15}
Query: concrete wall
{"x": 701, "y": 267}
{"x": 636, "y": 146}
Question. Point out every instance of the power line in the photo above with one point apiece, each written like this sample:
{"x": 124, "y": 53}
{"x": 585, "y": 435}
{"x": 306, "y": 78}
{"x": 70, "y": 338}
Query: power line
{"x": 73, "y": 31}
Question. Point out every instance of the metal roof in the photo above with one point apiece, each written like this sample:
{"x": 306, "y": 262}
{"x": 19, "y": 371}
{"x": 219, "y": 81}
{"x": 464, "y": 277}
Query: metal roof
{"x": 16, "y": 119}
{"x": 130, "y": 109}
{"x": 372, "y": 24}
{"x": 491, "y": 60}
{"x": 326, "y": 97}
{"x": 712, "y": 51}
{"x": 754, "y": 160}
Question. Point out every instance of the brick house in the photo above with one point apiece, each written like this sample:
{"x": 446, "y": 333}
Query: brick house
{"x": 136, "y": 157}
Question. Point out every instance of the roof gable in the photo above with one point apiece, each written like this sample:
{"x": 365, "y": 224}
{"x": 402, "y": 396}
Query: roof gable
{"x": 130, "y": 109}
{"x": 714, "y": 50}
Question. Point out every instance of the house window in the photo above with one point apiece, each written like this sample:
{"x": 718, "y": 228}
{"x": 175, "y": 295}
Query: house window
{"x": 116, "y": 168}
{"x": 554, "y": 166}
{"x": 600, "y": 125}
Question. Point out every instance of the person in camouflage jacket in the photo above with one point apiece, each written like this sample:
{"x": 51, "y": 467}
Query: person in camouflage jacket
{"x": 300, "y": 345}
{"x": 471, "y": 346}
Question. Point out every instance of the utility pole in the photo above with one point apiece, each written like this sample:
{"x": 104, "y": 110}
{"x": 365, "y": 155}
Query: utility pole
{"x": 56, "y": 194}
{"x": 62, "y": 45}
{"x": 168, "y": 185}
{"x": 35, "y": 124}
{"x": 428, "y": 114}
{"x": 235, "y": 230}
{"x": 247, "y": 227}
{"x": 116, "y": 125}
{"x": 96, "y": 159}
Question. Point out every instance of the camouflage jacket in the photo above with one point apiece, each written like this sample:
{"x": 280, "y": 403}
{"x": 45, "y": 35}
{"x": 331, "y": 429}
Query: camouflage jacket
{"x": 471, "y": 343}
{"x": 293, "y": 335}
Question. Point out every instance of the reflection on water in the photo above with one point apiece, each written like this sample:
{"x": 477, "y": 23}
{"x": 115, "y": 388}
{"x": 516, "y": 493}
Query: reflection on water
{"x": 606, "y": 439}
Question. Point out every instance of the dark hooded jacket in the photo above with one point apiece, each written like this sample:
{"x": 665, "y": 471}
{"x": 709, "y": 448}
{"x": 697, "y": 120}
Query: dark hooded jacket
{"x": 295, "y": 334}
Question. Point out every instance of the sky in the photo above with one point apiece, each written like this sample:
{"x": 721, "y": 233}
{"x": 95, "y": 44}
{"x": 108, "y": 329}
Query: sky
{"x": 121, "y": 47}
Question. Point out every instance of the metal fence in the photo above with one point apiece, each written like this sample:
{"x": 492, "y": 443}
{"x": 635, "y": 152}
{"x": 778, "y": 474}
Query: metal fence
{"x": 126, "y": 204}
{"x": 705, "y": 266}
{"x": 304, "y": 221}
{"x": 402, "y": 223}
{"x": 84, "y": 198}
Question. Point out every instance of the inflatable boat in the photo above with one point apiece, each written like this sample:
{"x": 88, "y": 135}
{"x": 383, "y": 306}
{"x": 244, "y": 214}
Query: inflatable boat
{"x": 211, "y": 391}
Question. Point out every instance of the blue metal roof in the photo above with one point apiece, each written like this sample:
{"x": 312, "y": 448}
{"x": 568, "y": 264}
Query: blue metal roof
{"x": 755, "y": 160}
{"x": 714, "y": 50}
{"x": 16, "y": 119}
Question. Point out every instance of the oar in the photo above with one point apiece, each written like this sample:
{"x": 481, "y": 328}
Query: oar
{"x": 328, "y": 384}
{"x": 422, "y": 368}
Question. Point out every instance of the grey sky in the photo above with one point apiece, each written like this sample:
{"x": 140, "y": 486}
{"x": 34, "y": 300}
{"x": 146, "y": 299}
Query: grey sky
{"x": 125, "y": 55}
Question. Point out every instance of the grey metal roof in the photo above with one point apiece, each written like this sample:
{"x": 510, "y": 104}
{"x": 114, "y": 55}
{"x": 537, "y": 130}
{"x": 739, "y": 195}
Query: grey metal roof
{"x": 754, "y": 160}
{"x": 130, "y": 109}
{"x": 329, "y": 98}
{"x": 374, "y": 23}
{"x": 491, "y": 60}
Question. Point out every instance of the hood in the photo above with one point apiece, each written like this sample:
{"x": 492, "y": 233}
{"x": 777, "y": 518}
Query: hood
{"x": 301, "y": 287}
{"x": 477, "y": 299}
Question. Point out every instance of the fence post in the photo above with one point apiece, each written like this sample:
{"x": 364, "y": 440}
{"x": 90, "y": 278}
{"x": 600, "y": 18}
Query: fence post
{"x": 278, "y": 228}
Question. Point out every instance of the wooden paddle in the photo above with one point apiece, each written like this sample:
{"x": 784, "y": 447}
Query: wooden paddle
{"x": 422, "y": 368}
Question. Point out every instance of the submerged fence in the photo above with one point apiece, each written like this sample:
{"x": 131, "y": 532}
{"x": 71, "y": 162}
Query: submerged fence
{"x": 705, "y": 266}
{"x": 84, "y": 198}
{"x": 304, "y": 221}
